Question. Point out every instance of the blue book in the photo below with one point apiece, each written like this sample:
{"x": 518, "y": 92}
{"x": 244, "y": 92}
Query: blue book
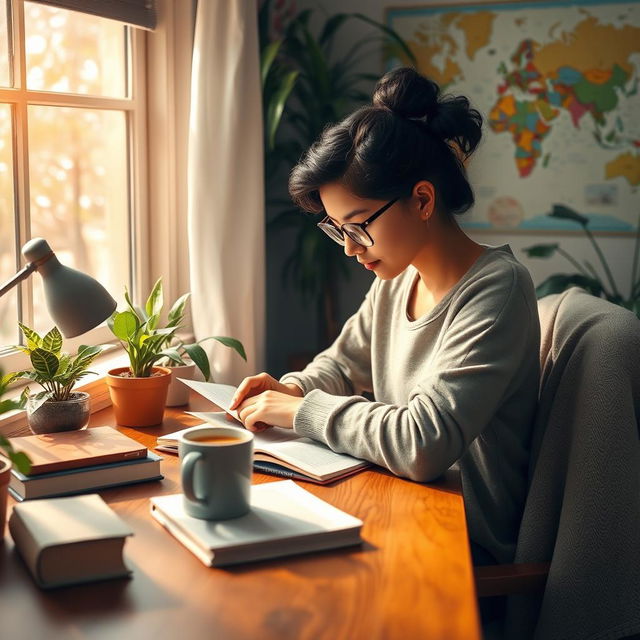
{"x": 86, "y": 479}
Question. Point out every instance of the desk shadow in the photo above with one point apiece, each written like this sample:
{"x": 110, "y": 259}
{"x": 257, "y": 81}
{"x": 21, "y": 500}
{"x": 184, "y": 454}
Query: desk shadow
{"x": 104, "y": 599}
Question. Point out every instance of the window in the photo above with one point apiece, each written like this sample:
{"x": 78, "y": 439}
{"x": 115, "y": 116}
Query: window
{"x": 72, "y": 131}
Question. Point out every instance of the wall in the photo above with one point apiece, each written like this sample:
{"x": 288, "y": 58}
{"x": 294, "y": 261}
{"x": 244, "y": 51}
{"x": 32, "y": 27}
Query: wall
{"x": 291, "y": 326}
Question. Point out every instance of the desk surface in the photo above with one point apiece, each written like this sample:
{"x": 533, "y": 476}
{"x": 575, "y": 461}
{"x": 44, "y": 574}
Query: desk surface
{"x": 412, "y": 577}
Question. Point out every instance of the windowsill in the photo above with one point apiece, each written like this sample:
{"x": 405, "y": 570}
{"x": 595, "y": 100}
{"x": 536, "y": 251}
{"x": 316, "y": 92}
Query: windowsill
{"x": 14, "y": 422}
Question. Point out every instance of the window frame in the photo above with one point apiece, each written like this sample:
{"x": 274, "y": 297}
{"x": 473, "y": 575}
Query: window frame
{"x": 158, "y": 155}
{"x": 19, "y": 97}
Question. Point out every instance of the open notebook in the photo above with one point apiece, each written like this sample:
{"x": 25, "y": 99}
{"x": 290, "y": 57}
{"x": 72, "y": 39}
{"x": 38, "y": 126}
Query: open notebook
{"x": 276, "y": 450}
{"x": 281, "y": 452}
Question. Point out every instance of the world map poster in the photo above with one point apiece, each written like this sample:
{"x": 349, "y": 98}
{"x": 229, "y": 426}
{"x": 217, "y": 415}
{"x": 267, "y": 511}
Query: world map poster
{"x": 557, "y": 85}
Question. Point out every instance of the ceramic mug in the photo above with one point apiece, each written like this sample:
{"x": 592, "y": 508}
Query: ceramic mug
{"x": 215, "y": 471}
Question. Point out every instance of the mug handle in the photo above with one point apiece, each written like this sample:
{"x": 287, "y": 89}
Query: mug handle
{"x": 186, "y": 473}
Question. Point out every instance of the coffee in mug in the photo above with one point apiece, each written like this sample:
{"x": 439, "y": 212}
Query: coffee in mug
{"x": 215, "y": 439}
{"x": 215, "y": 470}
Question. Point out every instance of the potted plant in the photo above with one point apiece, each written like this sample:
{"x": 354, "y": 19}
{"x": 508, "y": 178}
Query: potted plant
{"x": 139, "y": 392}
{"x": 57, "y": 407}
{"x": 586, "y": 276}
{"x": 19, "y": 459}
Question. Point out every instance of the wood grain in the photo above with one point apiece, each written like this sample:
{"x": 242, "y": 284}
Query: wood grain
{"x": 412, "y": 577}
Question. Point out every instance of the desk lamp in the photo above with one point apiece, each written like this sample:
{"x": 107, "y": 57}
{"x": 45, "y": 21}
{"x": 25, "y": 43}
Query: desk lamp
{"x": 76, "y": 302}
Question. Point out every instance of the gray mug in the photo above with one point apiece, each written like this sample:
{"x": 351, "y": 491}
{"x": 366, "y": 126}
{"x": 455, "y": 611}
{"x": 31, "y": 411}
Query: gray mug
{"x": 215, "y": 471}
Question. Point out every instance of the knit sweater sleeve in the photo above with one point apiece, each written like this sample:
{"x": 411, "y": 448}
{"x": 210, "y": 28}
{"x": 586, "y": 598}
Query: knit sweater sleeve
{"x": 482, "y": 351}
{"x": 345, "y": 367}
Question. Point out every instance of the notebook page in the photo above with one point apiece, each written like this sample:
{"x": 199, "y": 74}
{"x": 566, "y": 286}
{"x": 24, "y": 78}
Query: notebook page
{"x": 305, "y": 453}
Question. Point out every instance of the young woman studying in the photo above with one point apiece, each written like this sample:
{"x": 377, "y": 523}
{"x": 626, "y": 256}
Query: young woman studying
{"x": 446, "y": 339}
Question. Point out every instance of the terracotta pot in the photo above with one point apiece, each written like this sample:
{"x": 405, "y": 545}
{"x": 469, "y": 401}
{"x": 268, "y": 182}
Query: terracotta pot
{"x": 5, "y": 474}
{"x": 178, "y": 391}
{"x": 61, "y": 415}
{"x": 138, "y": 402}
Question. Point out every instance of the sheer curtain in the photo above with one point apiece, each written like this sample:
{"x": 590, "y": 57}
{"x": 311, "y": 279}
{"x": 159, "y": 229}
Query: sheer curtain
{"x": 225, "y": 185}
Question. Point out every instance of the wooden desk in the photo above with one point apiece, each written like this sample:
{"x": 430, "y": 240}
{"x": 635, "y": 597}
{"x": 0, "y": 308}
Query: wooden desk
{"x": 411, "y": 579}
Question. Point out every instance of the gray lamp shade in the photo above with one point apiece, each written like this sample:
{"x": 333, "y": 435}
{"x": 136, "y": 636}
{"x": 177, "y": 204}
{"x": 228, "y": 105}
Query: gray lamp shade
{"x": 76, "y": 302}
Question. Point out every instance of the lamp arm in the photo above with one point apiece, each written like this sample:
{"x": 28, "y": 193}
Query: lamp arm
{"x": 23, "y": 274}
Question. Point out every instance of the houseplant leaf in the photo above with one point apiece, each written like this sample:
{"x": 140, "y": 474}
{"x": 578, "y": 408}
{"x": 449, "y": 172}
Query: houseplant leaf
{"x": 233, "y": 343}
{"x": 269, "y": 54}
{"x": 139, "y": 312}
{"x": 276, "y": 106}
{"x": 199, "y": 356}
{"x": 541, "y": 250}
{"x": 45, "y": 363}
{"x": 125, "y": 325}
{"x": 176, "y": 313}
{"x": 155, "y": 299}
{"x": 37, "y": 400}
{"x": 53, "y": 341}
{"x": 172, "y": 354}
{"x": 19, "y": 459}
{"x": 565, "y": 213}
{"x": 33, "y": 339}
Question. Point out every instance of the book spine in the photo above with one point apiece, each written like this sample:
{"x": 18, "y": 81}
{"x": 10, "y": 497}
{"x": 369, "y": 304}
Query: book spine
{"x": 26, "y": 544}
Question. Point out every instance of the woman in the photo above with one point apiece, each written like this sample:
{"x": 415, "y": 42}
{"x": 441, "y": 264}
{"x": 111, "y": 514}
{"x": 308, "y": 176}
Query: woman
{"x": 447, "y": 338}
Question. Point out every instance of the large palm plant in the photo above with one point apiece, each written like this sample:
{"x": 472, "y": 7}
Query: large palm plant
{"x": 305, "y": 87}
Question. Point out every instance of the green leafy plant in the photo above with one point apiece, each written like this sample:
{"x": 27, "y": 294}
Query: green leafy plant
{"x": 305, "y": 86}
{"x": 19, "y": 459}
{"x": 148, "y": 344}
{"x": 586, "y": 276}
{"x": 56, "y": 372}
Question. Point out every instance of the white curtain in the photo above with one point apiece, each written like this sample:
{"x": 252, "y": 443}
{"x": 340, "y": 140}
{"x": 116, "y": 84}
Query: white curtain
{"x": 226, "y": 191}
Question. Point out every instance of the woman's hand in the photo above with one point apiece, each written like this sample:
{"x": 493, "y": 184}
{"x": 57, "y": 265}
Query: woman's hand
{"x": 269, "y": 408}
{"x": 256, "y": 385}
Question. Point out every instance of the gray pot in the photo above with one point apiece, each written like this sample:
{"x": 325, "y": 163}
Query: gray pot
{"x": 178, "y": 393}
{"x": 61, "y": 415}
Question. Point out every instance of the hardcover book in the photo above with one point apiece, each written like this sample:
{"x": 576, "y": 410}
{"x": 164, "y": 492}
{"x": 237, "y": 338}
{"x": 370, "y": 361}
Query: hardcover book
{"x": 74, "y": 449}
{"x": 66, "y": 541}
{"x": 284, "y": 519}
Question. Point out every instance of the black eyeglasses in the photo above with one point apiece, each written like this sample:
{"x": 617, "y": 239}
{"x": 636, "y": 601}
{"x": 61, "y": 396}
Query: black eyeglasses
{"x": 355, "y": 230}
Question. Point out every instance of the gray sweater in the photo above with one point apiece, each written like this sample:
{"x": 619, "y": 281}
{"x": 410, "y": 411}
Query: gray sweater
{"x": 458, "y": 384}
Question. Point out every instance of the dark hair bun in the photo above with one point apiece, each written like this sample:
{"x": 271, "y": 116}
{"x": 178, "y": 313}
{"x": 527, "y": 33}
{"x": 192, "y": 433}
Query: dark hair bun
{"x": 409, "y": 95}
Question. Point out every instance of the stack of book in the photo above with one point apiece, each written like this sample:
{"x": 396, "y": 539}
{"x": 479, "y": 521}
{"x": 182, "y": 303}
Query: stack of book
{"x": 82, "y": 461}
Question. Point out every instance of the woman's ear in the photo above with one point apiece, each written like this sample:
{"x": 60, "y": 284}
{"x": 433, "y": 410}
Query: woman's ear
{"x": 424, "y": 194}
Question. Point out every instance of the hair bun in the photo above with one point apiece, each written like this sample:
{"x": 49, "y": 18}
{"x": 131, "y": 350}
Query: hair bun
{"x": 408, "y": 94}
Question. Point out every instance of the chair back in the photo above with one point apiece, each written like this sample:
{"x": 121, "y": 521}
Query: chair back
{"x": 582, "y": 512}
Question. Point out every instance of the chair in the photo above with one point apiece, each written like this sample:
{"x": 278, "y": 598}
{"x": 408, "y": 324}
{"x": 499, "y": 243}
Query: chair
{"x": 577, "y": 566}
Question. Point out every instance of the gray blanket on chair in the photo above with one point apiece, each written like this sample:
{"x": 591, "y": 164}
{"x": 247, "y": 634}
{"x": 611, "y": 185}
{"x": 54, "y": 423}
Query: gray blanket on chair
{"x": 583, "y": 508}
